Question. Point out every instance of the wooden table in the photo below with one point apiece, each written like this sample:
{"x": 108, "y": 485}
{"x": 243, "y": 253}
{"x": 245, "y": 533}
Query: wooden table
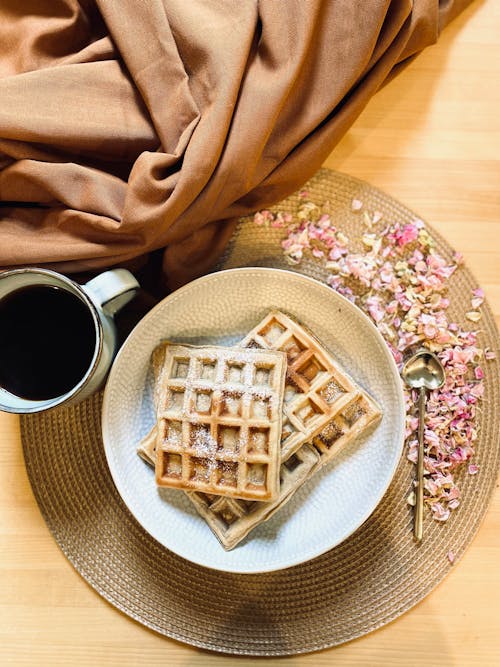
{"x": 430, "y": 138}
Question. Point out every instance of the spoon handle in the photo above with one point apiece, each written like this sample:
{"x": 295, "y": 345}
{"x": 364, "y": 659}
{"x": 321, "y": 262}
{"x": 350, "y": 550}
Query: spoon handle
{"x": 419, "y": 506}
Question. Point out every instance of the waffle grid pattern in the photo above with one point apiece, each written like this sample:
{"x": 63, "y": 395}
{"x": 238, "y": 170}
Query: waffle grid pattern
{"x": 219, "y": 416}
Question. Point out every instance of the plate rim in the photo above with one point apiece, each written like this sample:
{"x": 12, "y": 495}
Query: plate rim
{"x": 300, "y": 277}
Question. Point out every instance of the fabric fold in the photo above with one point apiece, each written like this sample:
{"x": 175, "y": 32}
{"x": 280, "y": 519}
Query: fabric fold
{"x": 131, "y": 127}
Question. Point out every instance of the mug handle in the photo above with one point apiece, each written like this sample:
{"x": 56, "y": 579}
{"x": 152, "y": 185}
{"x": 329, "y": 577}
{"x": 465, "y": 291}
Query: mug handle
{"x": 112, "y": 289}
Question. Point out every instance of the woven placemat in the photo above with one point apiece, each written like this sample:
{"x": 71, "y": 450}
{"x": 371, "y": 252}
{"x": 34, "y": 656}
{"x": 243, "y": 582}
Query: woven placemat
{"x": 370, "y": 579}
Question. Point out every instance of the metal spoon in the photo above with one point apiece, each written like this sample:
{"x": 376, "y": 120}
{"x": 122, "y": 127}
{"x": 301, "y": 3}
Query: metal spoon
{"x": 422, "y": 371}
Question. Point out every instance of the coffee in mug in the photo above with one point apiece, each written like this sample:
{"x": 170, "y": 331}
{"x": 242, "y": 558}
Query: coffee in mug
{"x": 57, "y": 338}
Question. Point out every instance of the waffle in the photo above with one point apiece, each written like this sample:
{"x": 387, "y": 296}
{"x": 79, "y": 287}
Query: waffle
{"x": 317, "y": 389}
{"x": 218, "y": 415}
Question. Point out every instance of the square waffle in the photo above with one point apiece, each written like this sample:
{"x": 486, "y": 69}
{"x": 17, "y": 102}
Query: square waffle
{"x": 317, "y": 389}
{"x": 218, "y": 415}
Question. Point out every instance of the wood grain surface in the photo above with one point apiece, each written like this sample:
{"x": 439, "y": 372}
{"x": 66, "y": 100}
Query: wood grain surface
{"x": 430, "y": 138}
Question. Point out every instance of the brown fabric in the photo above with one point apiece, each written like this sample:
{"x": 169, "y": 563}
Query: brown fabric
{"x": 131, "y": 126}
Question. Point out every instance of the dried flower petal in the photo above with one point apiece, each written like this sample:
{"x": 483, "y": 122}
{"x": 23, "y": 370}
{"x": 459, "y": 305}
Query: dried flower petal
{"x": 411, "y": 499}
{"x": 439, "y": 512}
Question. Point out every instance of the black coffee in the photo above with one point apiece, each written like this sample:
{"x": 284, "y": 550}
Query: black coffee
{"x": 47, "y": 340}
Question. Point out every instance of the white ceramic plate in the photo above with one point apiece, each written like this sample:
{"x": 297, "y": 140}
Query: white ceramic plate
{"x": 219, "y": 309}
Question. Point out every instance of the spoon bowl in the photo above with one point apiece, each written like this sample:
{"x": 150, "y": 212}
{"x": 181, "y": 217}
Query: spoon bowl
{"x": 424, "y": 369}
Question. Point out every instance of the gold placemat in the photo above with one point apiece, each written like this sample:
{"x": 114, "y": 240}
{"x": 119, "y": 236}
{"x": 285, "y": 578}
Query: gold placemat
{"x": 365, "y": 582}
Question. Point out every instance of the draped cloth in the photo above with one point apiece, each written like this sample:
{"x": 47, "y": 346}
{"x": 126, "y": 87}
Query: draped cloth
{"x": 136, "y": 125}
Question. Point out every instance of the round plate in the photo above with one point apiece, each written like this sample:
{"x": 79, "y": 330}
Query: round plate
{"x": 219, "y": 309}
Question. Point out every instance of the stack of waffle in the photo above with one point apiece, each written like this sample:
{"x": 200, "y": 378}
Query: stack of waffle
{"x": 241, "y": 429}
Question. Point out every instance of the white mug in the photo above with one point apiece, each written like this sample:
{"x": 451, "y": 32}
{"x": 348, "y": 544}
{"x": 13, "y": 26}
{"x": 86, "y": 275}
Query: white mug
{"x": 103, "y": 296}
